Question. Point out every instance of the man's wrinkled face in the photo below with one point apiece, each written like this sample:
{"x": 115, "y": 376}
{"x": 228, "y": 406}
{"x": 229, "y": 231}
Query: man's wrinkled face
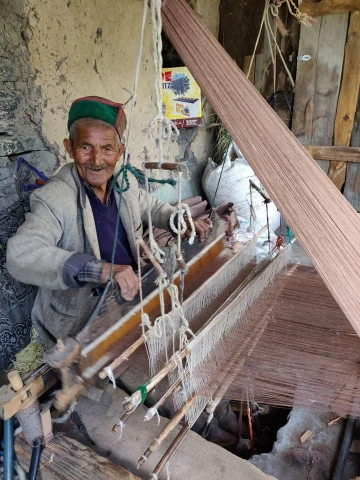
{"x": 95, "y": 149}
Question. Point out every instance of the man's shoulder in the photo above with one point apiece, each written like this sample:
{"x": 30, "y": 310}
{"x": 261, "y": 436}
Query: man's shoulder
{"x": 62, "y": 188}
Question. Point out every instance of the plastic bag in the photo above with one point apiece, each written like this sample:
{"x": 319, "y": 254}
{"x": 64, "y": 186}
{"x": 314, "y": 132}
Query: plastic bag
{"x": 234, "y": 187}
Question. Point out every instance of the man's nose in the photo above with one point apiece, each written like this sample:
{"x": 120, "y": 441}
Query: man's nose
{"x": 96, "y": 157}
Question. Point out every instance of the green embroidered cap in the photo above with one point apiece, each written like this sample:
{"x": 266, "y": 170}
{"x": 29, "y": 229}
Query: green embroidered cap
{"x": 99, "y": 108}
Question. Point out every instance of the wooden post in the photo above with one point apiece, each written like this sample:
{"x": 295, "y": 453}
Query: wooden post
{"x": 15, "y": 380}
{"x": 348, "y": 97}
{"x": 245, "y": 68}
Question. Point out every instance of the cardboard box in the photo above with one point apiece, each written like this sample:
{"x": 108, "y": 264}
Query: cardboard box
{"x": 181, "y": 97}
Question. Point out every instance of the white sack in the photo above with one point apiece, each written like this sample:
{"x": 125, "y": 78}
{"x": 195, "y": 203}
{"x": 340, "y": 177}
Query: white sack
{"x": 234, "y": 187}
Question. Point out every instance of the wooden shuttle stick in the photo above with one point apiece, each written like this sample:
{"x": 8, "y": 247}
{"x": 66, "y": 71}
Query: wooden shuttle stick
{"x": 169, "y": 427}
{"x": 122, "y": 421}
{"x": 169, "y": 367}
{"x": 170, "y": 451}
{"x": 151, "y": 412}
{"x": 125, "y": 355}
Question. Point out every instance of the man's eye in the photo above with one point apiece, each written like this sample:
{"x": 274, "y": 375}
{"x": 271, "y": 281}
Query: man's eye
{"x": 85, "y": 147}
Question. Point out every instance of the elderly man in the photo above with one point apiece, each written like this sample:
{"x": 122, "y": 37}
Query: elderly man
{"x": 65, "y": 245}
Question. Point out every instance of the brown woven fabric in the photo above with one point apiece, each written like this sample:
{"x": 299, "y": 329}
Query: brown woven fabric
{"x": 324, "y": 222}
{"x": 308, "y": 355}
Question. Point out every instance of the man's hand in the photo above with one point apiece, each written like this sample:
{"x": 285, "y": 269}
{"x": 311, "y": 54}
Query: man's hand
{"x": 202, "y": 228}
{"x": 125, "y": 277}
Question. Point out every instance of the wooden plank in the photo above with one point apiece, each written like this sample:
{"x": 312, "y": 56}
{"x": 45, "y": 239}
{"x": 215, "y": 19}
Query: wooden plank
{"x": 338, "y": 154}
{"x": 46, "y": 425}
{"x": 67, "y": 459}
{"x": 352, "y": 184}
{"x": 325, "y": 7}
{"x": 305, "y": 436}
{"x": 318, "y": 80}
{"x": 348, "y": 97}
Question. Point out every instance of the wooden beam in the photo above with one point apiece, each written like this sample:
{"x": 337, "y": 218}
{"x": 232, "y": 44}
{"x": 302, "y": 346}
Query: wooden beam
{"x": 325, "y": 7}
{"x": 245, "y": 68}
{"x": 67, "y": 459}
{"x": 337, "y": 154}
{"x": 11, "y": 402}
{"x": 349, "y": 91}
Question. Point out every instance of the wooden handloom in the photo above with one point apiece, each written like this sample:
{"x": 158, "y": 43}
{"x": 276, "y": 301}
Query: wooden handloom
{"x": 323, "y": 221}
{"x": 117, "y": 326}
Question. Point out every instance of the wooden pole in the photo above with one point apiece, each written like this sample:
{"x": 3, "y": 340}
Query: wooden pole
{"x": 326, "y": 7}
{"x": 169, "y": 367}
{"x": 125, "y": 355}
{"x": 122, "y": 420}
{"x": 334, "y": 153}
{"x": 169, "y": 427}
{"x": 179, "y": 167}
{"x": 170, "y": 451}
{"x": 150, "y": 413}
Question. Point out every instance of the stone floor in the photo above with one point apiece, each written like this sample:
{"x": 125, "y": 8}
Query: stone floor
{"x": 315, "y": 459}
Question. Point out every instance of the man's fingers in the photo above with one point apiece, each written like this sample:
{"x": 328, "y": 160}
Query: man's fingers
{"x": 202, "y": 228}
{"x": 128, "y": 282}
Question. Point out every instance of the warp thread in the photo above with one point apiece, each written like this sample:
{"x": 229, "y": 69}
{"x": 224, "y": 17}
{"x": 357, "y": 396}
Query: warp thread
{"x": 110, "y": 375}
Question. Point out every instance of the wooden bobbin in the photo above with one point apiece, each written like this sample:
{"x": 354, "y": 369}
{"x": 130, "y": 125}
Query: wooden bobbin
{"x": 179, "y": 167}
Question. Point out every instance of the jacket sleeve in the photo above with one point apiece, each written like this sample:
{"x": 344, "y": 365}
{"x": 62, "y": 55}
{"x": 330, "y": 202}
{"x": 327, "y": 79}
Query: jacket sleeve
{"x": 32, "y": 254}
{"x": 160, "y": 211}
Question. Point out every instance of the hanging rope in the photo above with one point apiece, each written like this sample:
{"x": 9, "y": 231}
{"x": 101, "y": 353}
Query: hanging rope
{"x": 160, "y": 128}
{"x": 123, "y": 170}
{"x": 265, "y": 21}
{"x": 155, "y": 250}
{"x": 136, "y": 80}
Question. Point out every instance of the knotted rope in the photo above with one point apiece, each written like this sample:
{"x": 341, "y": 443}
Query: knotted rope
{"x": 160, "y": 128}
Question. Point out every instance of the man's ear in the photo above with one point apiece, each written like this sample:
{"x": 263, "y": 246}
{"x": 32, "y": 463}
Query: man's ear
{"x": 121, "y": 149}
{"x": 68, "y": 148}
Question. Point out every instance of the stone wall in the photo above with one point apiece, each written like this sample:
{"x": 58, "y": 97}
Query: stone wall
{"x": 52, "y": 52}
{"x": 20, "y": 111}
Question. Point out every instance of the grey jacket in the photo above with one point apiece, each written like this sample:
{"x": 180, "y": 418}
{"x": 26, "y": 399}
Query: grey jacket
{"x": 60, "y": 224}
